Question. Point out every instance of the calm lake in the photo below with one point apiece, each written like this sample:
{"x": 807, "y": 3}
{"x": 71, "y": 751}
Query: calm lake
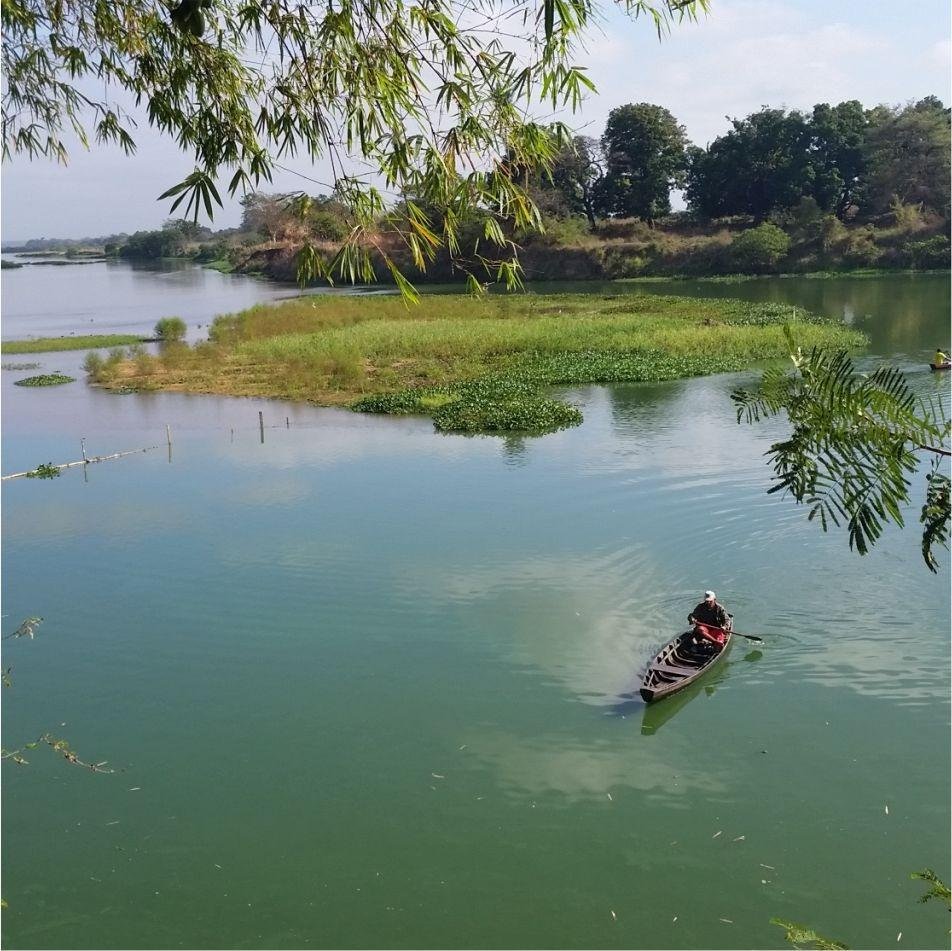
{"x": 365, "y": 685}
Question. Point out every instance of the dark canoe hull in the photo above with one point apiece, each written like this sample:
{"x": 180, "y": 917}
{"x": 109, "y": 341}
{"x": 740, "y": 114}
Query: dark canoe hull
{"x": 941, "y": 366}
{"x": 673, "y": 668}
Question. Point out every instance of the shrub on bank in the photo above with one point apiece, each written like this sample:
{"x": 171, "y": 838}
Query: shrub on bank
{"x": 99, "y": 368}
{"x": 861, "y": 249}
{"x": 170, "y": 329}
{"x": 928, "y": 254}
{"x": 759, "y": 250}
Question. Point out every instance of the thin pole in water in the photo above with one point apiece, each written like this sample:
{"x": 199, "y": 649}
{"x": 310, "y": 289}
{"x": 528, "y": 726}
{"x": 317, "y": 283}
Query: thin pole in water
{"x": 83, "y": 441}
{"x": 261, "y": 425}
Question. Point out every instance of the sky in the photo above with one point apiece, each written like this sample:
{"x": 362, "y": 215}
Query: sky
{"x": 745, "y": 54}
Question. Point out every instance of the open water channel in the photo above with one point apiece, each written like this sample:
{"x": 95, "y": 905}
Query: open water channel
{"x": 369, "y": 686}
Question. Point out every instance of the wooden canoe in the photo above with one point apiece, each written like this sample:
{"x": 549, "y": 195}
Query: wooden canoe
{"x": 676, "y": 665}
{"x": 942, "y": 366}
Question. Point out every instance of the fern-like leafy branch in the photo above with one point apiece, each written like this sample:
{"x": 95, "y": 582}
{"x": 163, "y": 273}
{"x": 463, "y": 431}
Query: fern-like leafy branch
{"x": 856, "y": 442}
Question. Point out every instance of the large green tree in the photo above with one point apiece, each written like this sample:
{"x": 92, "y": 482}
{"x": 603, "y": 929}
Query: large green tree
{"x": 645, "y": 158}
{"x": 907, "y": 151}
{"x": 837, "y": 139}
{"x": 430, "y": 96}
{"x": 762, "y": 164}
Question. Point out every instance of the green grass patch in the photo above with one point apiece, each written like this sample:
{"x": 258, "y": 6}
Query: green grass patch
{"x": 220, "y": 264}
{"x": 45, "y": 379}
{"x": 88, "y": 342}
{"x": 475, "y": 365}
{"x": 21, "y": 366}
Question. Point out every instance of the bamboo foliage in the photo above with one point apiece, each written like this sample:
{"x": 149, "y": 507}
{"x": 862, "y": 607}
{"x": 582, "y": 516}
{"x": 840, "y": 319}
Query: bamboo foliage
{"x": 432, "y": 99}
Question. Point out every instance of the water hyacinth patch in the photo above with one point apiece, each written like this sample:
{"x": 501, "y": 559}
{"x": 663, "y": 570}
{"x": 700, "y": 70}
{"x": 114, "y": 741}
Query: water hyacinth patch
{"x": 45, "y": 379}
{"x": 512, "y": 402}
{"x": 533, "y": 415}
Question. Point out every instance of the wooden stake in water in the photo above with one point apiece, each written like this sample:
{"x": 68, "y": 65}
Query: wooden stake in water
{"x": 83, "y": 440}
{"x": 168, "y": 433}
{"x": 261, "y": 425}
{"x": 287, "y": 421}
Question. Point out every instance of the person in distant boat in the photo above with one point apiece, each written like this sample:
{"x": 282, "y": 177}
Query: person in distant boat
{"x": 709, "y": 612}
{"x": 941, "y": 358}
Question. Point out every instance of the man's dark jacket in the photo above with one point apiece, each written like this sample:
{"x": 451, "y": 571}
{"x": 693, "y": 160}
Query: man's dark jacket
{"x": 708, "y": 612}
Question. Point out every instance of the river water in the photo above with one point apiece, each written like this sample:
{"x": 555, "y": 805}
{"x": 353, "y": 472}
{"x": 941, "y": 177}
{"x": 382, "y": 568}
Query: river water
{"x": 369, "y": 686}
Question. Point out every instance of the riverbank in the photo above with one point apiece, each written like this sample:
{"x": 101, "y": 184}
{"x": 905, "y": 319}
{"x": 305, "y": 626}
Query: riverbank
{"x": 675, "y": 247}
{"x": 474, "y": 365}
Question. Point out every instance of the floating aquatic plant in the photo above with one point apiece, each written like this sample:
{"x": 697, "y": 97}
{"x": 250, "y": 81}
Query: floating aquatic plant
{"x": 45, "y": 379}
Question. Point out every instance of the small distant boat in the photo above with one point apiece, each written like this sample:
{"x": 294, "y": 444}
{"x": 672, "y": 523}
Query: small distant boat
{"x": 678, "y": 664}
{"x": 942, "y": 366}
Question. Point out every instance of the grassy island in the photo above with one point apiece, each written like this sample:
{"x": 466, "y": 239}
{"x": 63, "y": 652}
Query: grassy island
{"x": 474, "y": 365}
{"x": 87, "y": 342}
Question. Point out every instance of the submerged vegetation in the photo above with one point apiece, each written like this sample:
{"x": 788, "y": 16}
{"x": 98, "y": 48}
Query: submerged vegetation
{"x": 473, "y": 365}
{"x": 46, "y": 379}
{"x": 87, "y": 342}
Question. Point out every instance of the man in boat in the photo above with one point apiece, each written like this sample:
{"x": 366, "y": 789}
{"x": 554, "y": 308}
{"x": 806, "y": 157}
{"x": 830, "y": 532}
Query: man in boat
{"x": 941, "y": 358}
{"x": 709, "y": 612}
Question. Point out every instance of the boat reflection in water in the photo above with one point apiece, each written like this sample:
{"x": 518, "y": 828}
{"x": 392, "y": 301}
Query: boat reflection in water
{"x": 658, "y": 713}
{"x": 655, "y": 715}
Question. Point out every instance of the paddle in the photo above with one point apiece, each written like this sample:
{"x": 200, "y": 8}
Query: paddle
{"x": 750, "y": 637}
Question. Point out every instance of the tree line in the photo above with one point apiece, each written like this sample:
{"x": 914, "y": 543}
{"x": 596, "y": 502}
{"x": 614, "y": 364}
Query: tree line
{"x": 853, "y": 162}
{"x": 842, "y": 186}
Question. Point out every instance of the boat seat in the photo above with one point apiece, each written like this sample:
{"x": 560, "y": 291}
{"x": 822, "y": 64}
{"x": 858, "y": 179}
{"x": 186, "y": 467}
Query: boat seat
{"x": 668, "y": 669}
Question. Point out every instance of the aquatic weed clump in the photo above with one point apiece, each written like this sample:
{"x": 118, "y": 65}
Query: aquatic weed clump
{"x": 772, "y": 314}
{"x": 46, "y": 470}
{"x": 491, "y": 404}
{"x": 618, "y": 366}
{"x": 45, "y": 379}
{"x": 532, "y": 415}
{"x": 512, "y": 402}
{"x": 404, "y": 403}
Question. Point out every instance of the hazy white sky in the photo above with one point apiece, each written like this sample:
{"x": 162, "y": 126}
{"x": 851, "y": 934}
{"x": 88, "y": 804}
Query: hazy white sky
{"x": 746, "y": 54}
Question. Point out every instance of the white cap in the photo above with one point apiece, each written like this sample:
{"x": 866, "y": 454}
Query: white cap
{"x": 710, "y": 596}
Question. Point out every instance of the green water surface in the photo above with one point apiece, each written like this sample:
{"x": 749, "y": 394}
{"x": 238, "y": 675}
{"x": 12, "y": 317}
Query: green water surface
{"x": 368, "y": 686}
